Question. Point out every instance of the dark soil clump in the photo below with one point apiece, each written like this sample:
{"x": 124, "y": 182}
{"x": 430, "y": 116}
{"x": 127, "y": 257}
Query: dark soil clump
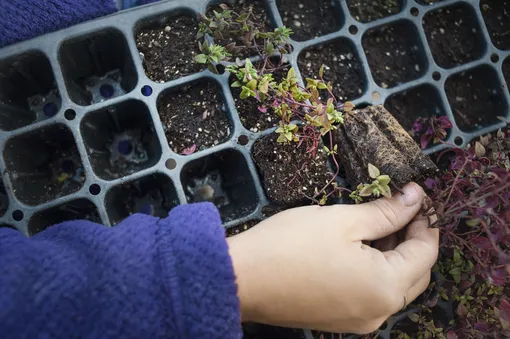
{"x": 367, "y": 11}
{"x": 194, "y": 117}
{"x": 310, "y": 19}
{"x": 497, "y": 16}
{"x": 279, "y": 164}
{"x": 476, "y": 98}
{"x": 390, "y": 148}
{"x": 343, "y": 68}
{"x": 259, "y": 16}
{"x": 453, "y": 35}
{"x": 251, "y": 117}
{"x": 418, "y": 102}
{"x": 394, "y": 58}
{"x": 168, "y": 52}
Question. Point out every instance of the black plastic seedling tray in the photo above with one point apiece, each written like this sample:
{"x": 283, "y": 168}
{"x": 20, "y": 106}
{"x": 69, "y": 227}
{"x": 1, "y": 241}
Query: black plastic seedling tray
{"x": 81, "y": 136}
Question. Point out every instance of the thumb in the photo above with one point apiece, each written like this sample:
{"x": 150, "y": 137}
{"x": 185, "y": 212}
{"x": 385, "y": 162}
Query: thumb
{"x": 383, "y": 217}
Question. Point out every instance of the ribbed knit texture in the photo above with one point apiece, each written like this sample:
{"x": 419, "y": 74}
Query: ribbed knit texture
{"x": 145, "y": 278}
{"x": 24, "y": 19}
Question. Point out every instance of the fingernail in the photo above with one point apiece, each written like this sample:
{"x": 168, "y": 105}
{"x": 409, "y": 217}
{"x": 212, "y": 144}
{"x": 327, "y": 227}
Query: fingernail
{"x": 411, "y": 195}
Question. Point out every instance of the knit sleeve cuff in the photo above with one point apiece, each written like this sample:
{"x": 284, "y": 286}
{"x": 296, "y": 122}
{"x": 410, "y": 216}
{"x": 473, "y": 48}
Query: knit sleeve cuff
{"x": 199, "y": 273}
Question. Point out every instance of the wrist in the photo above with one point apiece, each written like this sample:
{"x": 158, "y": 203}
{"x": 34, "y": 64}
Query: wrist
{"x": 244, "y": 268}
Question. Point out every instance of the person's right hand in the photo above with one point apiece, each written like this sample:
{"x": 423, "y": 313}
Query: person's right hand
{"x": 309, "y": 268}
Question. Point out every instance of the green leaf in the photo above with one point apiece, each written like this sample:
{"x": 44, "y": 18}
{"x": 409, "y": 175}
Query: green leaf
{"x": 321, "y": 71}
{"x": 479, "y": 150}
{"x": 473, "y": 222}
{"x": 292, "y": 74}
{"x": 373, "y": 171}
{"x": 385, "y": 190}
{"x": 366, "y": 191}
{"x": 281, "y": 139}
{"x": 292, "y": 127}
{"x": 384, "y": 179}
{"x": 237, "y": 84}
{"x": 322, "y": 85}
{"x": 252, "y": 84}
{"x": 414, "y": 317}
{"x": 246, "y": 93}
{"x": 455, "y": 273}
{"x": 201, "y": 59}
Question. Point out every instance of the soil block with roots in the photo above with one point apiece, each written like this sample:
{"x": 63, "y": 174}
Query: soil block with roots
{"x": 113, "y": 117}
{"x": 389, "y": 148}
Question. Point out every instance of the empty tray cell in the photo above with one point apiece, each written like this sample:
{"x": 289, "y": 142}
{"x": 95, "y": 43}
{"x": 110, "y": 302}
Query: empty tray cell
{"x": 288, "y": 173}
{"x": 422, "y": 102}
{"x": 28, "y": 91}
{"x": 168, "y": 46}
{"x": 260, "y": 16}
{"x": 224, "y": 179}
{"x": 311, "y": 19}
{"x": 394, "y": 58}
{"x": 454, "y": 35}
{"x": 367, "y": 11}
{"x": 80, "y": 209}
{"x": 506, "y": 71}
{"x": 44, "y": 164}
{"x": 497, "y": 16}
{"x": 476, "y": 98}
{"x": 4, "y": 199}
{"x": 194, "y": 116}
{"x": 343, "y": 67}
{"x": 121, "y": 140}
{"x": 97, "y": 67}
{"x": 152, "y": 195}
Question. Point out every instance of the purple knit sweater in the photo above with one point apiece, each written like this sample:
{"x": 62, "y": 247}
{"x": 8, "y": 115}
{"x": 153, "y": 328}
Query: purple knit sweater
{"x": 144, "y": 278}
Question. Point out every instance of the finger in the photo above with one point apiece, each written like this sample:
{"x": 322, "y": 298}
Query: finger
{"x": 413, "y": 258}
{"x": 418, "y": 288}
{"x": 380, "y": 218}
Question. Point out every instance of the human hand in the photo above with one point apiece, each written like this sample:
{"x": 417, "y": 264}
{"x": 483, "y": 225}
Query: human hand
{"x": 309, "y": 267}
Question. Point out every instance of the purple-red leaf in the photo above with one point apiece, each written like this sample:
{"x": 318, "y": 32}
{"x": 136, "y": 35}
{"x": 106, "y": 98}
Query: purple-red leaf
{"x": 262, "y": 109}
{"x": 430, "y": 183}
{"x": 425, "y": 140}
{"x": 504, "y": 310}
{"x": 190, "y": 150}
{"x": 482, "y": 243}
{"x": 444, "y": 122}
{"x": 451, "y": 335}
{"x": 462, "y": 310}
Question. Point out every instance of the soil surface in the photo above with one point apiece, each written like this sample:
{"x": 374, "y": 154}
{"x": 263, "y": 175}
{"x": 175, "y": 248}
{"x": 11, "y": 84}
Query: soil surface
{"x": 506, "y": 71}
{"x": 251, "y": 117}
{"x": 475, "y": 98}
{"x": 310, "y": 19}
{"x": 394, "y": 58}
{"x": 196, "y": 115}
{"x": 241, "y": 228}
{"x": 419, "y": 102}
{"x": 278, "y": 164}
{"x": 453, "y": 35}
{"x": 366, "y": 11}
{"x": 167, "y": 52}
{"x": 343, "y": 68}
{"x": 497, "y": 16}
{"x": 261, "y": 17}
